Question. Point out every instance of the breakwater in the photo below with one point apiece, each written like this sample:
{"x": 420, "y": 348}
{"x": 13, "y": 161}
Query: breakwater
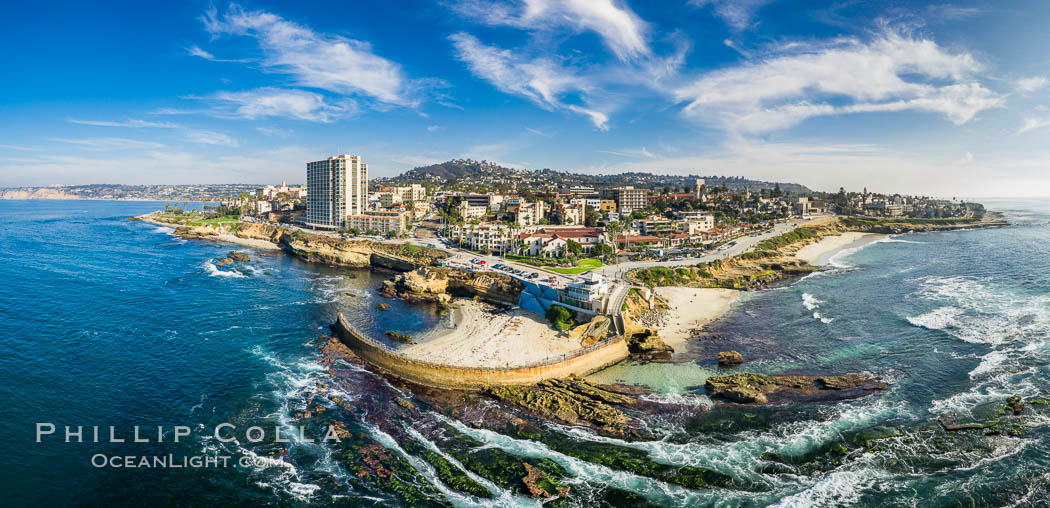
{"x": 581, "y": 362}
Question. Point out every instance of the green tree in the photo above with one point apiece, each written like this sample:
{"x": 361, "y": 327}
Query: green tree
{"x": 573, "y": 247}
{"x": 560, "y": 317}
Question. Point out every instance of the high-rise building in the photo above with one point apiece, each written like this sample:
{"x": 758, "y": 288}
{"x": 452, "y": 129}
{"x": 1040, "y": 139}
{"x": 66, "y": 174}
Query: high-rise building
{"x": 628, "y": 199}
{"x": 336, "y": 187}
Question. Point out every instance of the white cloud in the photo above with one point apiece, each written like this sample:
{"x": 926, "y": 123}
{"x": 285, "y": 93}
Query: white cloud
{"x": 211, "y": 138}
{"x": 738, "y": 14}
{"x": 623, "y": 32}
{"x": 542, "y": 81}
{"x": 539, "y": 132}
{"x": 109, "y": 143}
{"x": 276, "y": 102}
{"x": 433, "y": 128}
{"x": 329, "y": 62}
{"x": 271, "y": 131}
{"x": 1032, "y": 84}
{"x": 1033, "y": 123}
{"x": 631, "y": 153}
{"x": 195, "y": 50}
{"x": 132, "y": 123}
{"x": 966, "y": 158}
{"x": 21, "y": 148}
{"x": 893, "y": 72}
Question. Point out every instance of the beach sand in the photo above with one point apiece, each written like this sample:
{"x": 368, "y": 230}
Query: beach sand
{"x": 486, "y": 339}
{"x": 691, "y": 308}
{"x": 820, "y": 253}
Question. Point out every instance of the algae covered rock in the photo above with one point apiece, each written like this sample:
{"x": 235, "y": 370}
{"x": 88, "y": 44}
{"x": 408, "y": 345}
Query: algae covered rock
{"x": 730, "y": 358}
{"x": 238, "y": 256}
{"x": 647, "y": 345}
{"x": 750, "y": 388}
{"x": 571, "y": 401}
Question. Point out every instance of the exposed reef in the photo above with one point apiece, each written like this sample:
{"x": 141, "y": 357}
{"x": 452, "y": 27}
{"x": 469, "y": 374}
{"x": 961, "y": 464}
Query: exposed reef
{"x": 749, "y": 388}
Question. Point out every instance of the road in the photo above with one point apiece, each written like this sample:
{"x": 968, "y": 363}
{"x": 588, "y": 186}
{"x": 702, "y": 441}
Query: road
{"x": 743, "y": 244}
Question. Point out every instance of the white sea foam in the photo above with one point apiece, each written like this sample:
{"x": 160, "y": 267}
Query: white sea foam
{"x": 822, "y": 319}
{"x": 989, "y": 363}
{"x": 937, "y": 319}
{"x": 214, "y": 271}
{"x": 840, "y": 488}
{"x": 810, "y": 302}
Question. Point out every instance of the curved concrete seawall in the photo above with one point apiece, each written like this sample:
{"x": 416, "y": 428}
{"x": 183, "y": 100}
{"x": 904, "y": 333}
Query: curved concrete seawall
{"x": 584, "y": 361}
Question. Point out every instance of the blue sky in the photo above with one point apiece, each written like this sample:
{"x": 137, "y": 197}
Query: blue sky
{"x": 937, "y": 98}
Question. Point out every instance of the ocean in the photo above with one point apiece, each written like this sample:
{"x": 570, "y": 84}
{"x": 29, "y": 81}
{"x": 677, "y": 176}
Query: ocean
{"x": 109, "y": 322}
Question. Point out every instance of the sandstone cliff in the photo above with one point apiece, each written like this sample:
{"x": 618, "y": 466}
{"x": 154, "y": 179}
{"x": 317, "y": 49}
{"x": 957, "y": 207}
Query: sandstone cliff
{"x": 428, "y": 283}
{"x": 313, "y": 247}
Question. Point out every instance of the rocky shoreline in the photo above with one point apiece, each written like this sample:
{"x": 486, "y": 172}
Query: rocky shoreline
{"x": 318, "y": 248}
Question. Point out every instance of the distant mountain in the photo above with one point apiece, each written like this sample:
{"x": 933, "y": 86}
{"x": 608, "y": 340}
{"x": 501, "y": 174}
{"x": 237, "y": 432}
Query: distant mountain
{"x": 472, "y": 174}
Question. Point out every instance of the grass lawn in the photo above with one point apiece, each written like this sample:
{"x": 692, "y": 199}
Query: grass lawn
{"x": 224, "y": 218}
{"x": 583, "y": 265}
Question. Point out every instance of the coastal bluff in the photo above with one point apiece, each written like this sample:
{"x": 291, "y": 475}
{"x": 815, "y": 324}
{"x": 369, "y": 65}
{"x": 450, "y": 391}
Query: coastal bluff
{"x": 579, "y": 363}
{"x": 317, "y": 248}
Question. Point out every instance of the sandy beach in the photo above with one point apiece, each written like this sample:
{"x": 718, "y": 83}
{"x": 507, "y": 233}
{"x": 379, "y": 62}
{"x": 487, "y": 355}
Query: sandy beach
{"x": 691, "y": 308}
{"x": 481, "y": 338}
{"x": 820, "y": 253}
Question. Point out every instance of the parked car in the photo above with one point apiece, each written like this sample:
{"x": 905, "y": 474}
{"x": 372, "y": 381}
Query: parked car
{"x": 533, "y": 275}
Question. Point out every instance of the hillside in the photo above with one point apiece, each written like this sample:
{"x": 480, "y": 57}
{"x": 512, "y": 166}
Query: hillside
{"x": 471, "y": 174}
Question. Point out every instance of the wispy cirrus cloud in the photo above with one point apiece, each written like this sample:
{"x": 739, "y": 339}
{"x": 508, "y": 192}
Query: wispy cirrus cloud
{"x": 622, "y": 31}
{"x": 1032, "y": 84}
{"x": 542, "y": 81}
{"x": 100, "y": 144}
{"x": 738, "y": 14}
{"x": 275, "y": 102}
{"x": 891, "y": 72}
{"x": 130, "y": 122}
{"x": 1032, "y": 123}
{"x": 197, "y": 51}
{"x": 211, "y": 138}
{"x": 317, "y": 60}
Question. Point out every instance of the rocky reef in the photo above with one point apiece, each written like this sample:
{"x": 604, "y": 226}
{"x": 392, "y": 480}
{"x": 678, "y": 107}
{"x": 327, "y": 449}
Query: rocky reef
{"x": 749, "y": 388}
{"x": 730, "y": 358}
{"x": 314, "y": 247}
{"x": 571, "y": 401}
{"x": 648, "y": 346}
{"x": 436, "y": 284}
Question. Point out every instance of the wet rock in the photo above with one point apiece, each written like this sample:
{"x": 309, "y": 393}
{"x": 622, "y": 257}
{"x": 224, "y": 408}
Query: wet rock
{"x": 571, "y": 401}
{"x": 648, "y": 346}
{"x": 540, "y": 486}
{"x": 238, "y": 256}
{"x": 383, "y": 307}
{"x": 730, "y": 358}
{"x": 749, "y": 388}
{"x": 224, "y": 262}
{"x": 405, "y": 403}
{"x": 400, "y": 337}
{"x": 1016, "y": 404}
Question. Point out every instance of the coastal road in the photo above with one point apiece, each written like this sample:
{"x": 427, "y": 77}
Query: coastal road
{"x": 743, "y": 244}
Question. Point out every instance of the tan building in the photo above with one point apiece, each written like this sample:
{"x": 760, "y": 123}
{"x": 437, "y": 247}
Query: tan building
{"x": 336, "y": 187}
{"x": 380, "y": 221}
{"x": 628, "y": 199}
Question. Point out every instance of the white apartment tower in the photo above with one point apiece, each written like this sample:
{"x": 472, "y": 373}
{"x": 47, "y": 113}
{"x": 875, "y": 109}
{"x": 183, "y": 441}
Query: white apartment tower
{"x": 335, "y": 188}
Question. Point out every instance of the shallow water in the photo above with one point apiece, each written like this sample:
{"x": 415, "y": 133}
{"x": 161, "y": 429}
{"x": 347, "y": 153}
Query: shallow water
{"x": 111, "y": 322}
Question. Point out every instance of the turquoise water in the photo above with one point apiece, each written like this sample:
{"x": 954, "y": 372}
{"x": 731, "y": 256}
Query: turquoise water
{"x": 112, "y": 322}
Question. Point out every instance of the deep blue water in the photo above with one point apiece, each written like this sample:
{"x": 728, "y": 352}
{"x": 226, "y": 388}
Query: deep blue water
{"x": 112, "y": 322}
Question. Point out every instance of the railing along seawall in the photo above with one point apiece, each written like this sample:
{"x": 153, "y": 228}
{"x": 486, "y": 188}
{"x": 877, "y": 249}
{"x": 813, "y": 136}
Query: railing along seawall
{"x": 442, "y": 375}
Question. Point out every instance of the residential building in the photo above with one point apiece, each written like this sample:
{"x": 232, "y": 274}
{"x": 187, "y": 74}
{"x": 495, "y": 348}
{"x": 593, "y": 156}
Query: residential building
{"x": 628, "y": 199}
{"x": 525, "y": 214}
{"x": 547, "y": 241}
{"x": 654, "y": 226}
{"x": 380, "y": 221}
{"x": 336, "y": 187}
{"x": 586, "y": 293}
{"x": 486, "y": 237}
{"x": 606, "y": 205}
